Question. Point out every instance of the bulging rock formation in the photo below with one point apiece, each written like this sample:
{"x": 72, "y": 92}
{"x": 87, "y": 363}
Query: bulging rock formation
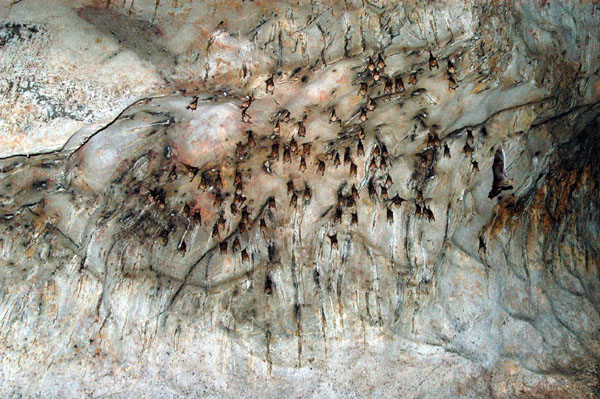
{"x": 286, "y": 199}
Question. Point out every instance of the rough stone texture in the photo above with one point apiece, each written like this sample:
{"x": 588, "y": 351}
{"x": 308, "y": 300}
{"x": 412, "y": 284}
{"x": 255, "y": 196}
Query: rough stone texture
{"x": 126, "y": 271}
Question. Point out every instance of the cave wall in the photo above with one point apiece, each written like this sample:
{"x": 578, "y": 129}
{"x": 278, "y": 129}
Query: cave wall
{"x": 290, "y": 199}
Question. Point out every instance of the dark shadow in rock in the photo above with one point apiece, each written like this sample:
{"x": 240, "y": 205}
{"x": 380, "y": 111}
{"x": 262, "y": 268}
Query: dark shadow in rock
{"x": 140, "y": 36}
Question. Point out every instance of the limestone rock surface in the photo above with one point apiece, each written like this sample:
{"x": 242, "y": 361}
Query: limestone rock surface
{"x": 291, "y": 199}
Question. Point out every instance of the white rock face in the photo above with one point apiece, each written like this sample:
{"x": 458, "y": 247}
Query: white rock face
{"x": 260, "y": 199}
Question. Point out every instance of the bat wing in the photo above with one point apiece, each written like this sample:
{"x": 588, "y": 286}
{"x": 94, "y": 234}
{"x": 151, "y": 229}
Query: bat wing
{"x": 499, "y": 167}
{"x": 501, "y": 181}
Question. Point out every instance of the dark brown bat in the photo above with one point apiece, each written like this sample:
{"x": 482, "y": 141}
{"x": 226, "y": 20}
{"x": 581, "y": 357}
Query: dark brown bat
{"x": 182, "y": 247}
{"x": 389, "y": 86}
{"x": 360, "y": 149}
{"x": 321, "y": 167}
{"x": 223, "y": 247}
{"x": 398, "y": 200}
{"x": 245, "y": 257}
{"x": 354, "y": 192}
{"x": 306, "y": 149}
{"x": 193, "y": 104}
{"x": 371, "y": 104}
{"x": 413, "y": 79}
{"x": 363, "y": 115}
{"x": 270, "y": 85}
{"x": 361, "y": 133}
{"x": 334, "y": 241}
{"x": 433, "y": 62}
{"x": 388, "y": 181}
{"x": 370, "y": 65}
{"x": 380, "y": 62}
{"x": 302, "y": 166}
{"x": 353, "y": 169}
{"x": 307, "y": 194}
{"x": 501, "y": 181}
{"x": 336, "y": 160}
{"x": 347, "y": 158}
{"x": 263, "y": 225}
{"x": 301, "y": 129}
{"x": 399, "y": 85}
{"x": 447, "y": 151}
{"x": 363, "y": 89}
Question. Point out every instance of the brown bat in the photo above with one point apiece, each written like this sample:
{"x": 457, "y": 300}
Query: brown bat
{"x": 363, "y": 115}
{"x": 363, "y": 89}
{"x": 380, "y": 63}
{"x": 301, "y": 129}
{"x": 388, "y": 181}
{"x": 360, "y": 149}
{"x": 302, "y": 166}
{"x": 334, "y": 241}
{"x": 321, "y": 167}
{"x": 353, "y": 169}
{"x": 270, "y": 85}
{"x": 245, "y": 257}
{"x": 293, "y": 146}
{"x": 337, "y": 216}
{"x": 371, "y": 104}
{"x": 287, "y": 158}
{"x": 398, "y": 200}
{"x": 452, "y": 85}
{"x": 294, "y": 200}
{"x": 248, "y": 102}
{"x": 482, "y": 247}
{"x": 307, "y": 194}
{"x": 306, "y": 149}
{"x": 182, "y": 247}
{"x": 371, "y": 65}
{"x": 413, "y": 79}
{"x": 399, "y": 85}
{"x": 263, "y": 225}
{"x": 347, "y": 157}
{"x": 192, "y": 171}
{"x": 354, "y": 192}
{"x": 361, "y": 133}
{"x": 384, "y": 193}
{"x": 468, "y": 150}
{"x": 433, "y": 62}
{"x": 451, "y": 68}
{"x": 447, "y": 151}
{"x": 275, "y": 151}
{"x": 333, "y": 117}
{"x": 193, "y": 104}
{"x": 223, "y": 247}
{"x": 388, "y": 86}
{"x": 501, "y": 181}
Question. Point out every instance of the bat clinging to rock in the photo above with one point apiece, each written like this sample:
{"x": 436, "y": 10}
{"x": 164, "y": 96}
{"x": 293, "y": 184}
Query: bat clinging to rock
{"x": 501, "y": 181}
